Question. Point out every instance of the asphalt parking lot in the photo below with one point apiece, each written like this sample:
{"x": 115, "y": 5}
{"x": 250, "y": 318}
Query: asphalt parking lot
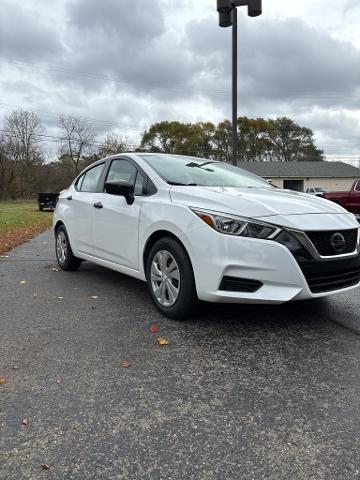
{"x": 240, "y": 392}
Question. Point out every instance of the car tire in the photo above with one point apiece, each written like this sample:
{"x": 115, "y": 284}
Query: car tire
{"x": 64, "y": 254}
{"x": 162, "y": 281}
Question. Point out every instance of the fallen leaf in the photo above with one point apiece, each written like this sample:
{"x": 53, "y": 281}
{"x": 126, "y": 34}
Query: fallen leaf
{"x": 2, "y": 381}
{"x": 125, "y": 364}
{"x": 45, "y": 466}
{"x": 60, "y": 298}
{"x": 23, "y": 282}
{"x": 162, "y": 341}
{"x": 25, "y": 421}
{"x": 35, "y": 295}
{"x": 94, "y": 297}
{"x": 154, "y": 329}
{"x": 58, "y": 380}
{"x": 55, "y": 269}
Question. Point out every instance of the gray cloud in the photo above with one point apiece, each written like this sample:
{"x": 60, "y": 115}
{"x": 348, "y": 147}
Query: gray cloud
{"x": 140, "y": 20}
{"x": 280, "y": 60}
{"x": 25, "y": 35}
{"x": 351, "y": 5}
{"x": 167, "y": 65}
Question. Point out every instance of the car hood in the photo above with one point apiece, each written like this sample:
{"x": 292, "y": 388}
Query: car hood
{"x": 253, "y": 202}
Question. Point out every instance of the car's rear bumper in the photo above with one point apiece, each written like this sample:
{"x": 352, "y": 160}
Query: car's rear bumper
{"x": 215, "y": 256}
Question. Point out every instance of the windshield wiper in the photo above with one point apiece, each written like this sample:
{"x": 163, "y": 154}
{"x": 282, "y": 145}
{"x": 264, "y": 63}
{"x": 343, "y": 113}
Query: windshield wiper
{"x": 200, "y": 165}
{"x": 177, "y": 184}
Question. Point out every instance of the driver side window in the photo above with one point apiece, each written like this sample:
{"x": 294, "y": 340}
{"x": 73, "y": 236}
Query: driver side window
{"x": 124, "y": 170}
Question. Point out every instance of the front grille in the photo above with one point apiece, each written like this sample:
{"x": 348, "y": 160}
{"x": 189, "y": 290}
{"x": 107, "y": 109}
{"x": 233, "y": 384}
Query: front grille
{"x": 322, "y": 242}
{"x": 334, "y": 281}
{"x": 234, "y": 284}
{"x": 333, "y": 275}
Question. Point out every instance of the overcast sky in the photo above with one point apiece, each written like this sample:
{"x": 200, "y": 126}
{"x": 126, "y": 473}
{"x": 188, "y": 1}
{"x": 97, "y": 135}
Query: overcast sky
{"x": 125, "y": 64}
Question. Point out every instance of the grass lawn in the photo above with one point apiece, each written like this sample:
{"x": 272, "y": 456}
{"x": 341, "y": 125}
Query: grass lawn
{"x": 20, "y": 221}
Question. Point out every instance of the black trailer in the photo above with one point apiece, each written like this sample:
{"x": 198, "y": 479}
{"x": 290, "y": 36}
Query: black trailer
{"x": 47, "y": 200}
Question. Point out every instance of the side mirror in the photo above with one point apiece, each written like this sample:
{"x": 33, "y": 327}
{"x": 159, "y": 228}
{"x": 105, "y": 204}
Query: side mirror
{"x": 121, "y": 188}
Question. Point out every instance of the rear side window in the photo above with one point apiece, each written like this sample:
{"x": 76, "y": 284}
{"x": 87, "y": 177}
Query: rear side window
{"x": 357, "y": 187}
{"x": 91, "y": 179}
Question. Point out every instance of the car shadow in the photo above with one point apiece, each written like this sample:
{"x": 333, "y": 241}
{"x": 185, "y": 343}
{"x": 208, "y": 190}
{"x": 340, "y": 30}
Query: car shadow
{"x": 314, "y": 312}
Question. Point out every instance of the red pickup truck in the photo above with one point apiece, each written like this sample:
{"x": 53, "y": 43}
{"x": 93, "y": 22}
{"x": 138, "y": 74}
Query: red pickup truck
{"x": 349, "y": 200}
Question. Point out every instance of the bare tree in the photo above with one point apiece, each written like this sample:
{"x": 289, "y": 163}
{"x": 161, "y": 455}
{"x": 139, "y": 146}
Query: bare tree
{"x": 23, "y": 139}
{"x": 112, "y": 145}
{"x": 77, "y": 139}
{"x": 7, "y": 169}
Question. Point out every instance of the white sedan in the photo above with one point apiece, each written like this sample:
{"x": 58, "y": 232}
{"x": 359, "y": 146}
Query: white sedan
{"x": 195, "y": 229}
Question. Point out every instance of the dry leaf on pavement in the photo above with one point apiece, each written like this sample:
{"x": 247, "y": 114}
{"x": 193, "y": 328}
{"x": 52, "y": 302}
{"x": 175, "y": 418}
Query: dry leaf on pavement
{"x": 162, "y": 341}
{"x": 55, "y": 269}
{"x": 45, "y": 466}
{"x": 35, "y": 295}
{"x": 153, "y": 329}
{"x": 2, "y": 381}
{"x": 25, "y": 421}
{"x": 125, "y": 364}
{"x": 94, "y": 297}
{"x": 23, "y": 282}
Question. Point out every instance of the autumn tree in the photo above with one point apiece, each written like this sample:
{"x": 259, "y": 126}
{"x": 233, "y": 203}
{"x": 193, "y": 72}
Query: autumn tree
{"x": 258, "y": 140}
{"x": 180, "y": 138}
{"x": 222, "y": 141}
{"x": 288, "y": 141}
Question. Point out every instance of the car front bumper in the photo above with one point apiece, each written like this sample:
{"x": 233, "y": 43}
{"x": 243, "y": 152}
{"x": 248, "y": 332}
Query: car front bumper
{"x": 215, "y": 256}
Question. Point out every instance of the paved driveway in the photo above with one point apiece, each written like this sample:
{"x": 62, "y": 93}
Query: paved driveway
{"x": 239, "y": 393}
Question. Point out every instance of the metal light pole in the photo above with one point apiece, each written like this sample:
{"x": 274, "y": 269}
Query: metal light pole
{"x": 228, "y": 17}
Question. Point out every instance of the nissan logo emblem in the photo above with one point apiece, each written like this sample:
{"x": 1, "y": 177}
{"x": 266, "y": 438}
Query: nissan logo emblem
{"x": 338, "y": 243}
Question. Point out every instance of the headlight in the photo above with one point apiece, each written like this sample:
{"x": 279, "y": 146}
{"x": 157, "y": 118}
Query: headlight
{"x": 238, "y": 226}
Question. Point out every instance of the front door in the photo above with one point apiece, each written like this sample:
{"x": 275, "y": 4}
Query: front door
{"x": 115, "y": 225}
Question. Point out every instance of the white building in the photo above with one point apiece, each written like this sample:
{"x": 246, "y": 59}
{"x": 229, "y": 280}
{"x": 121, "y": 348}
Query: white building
{"x": 299, "y": 176}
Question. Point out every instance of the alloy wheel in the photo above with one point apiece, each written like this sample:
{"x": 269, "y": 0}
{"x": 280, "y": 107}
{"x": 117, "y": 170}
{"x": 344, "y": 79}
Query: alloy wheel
{"x": 61, "y": 247}
{"x": 165, "y": 278}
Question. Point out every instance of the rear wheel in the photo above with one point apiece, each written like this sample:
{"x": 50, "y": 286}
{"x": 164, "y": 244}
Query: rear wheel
{"x": 64, "y": 255}
{"x": 170, "y": 279}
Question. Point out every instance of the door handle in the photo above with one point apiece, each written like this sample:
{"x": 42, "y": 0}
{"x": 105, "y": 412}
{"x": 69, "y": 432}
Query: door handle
{"x": 98, "y": 205}
{"x": 69, "y": 197}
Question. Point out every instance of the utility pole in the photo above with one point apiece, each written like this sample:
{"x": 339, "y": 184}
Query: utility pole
{"x": 228, "y": 17}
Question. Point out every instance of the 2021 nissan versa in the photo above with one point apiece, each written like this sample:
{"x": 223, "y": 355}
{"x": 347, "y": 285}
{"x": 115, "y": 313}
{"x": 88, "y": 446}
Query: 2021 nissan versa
{"x": 198, "y": 229}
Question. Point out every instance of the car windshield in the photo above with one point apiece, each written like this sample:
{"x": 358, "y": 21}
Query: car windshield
{"x": 319, "y": 189}
{"x": 194, "y": 171}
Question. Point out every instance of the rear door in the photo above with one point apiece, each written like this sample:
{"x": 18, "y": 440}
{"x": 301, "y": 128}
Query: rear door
{"x": 116, "y": 224}
{"x": 79, "y": 213}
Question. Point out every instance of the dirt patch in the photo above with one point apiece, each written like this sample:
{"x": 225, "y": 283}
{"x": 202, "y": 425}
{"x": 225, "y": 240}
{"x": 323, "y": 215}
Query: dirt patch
{"x": 13, "y": 238}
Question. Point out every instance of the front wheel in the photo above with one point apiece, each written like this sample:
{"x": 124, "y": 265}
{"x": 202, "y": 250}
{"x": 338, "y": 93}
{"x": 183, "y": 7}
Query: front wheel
{"x": 64, "y": 255}
{"x": 170, "y": 279}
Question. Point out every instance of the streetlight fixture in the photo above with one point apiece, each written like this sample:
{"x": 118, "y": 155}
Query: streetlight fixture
{"x": 228, "y": 17}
